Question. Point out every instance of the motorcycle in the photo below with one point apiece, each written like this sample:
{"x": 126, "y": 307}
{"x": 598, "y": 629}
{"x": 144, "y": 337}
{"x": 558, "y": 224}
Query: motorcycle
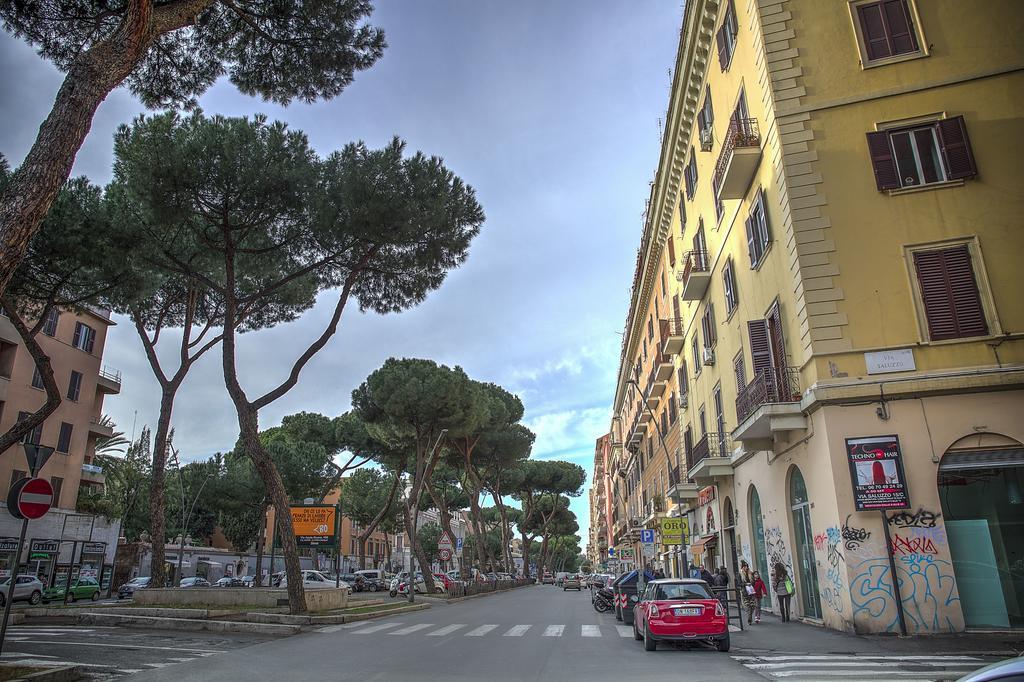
{"x": 603, "y": 600}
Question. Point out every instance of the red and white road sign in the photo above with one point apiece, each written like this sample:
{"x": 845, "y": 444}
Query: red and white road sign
{"x": 446, "y": 542}
{"x": 35, "y": 498}
{"x": 444, "y": 554}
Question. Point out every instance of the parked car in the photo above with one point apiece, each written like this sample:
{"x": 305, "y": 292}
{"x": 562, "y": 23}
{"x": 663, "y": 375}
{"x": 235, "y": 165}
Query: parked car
{"x": 229, "y": 581}
{"x": 127, "y": 590}
{"x": 248, "y": 580}
{"x": 81, "y": 588}
{"x": 194, "y": 581}
{"x": 679, "y": 610}
{"x": 548, "y": 579}
{"x": 26, "y": 588}
{"x": 505, "y": 576}
{"x": 571, "y": 582}
{"x": 369, "y": 574}
{"x": 1010, "y": 670}
{"x": 444, "y": 580}
{"x": 313, "y": 580}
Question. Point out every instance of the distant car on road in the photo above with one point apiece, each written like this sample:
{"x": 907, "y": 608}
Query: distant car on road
{"x": 194, "y": 581}
{"x": 81, "y": 588}
{"x": 679, "y": 609}
{"x": 229, "y": 581}
{"x": 127, "y": 590}
{"x": 571, "y": 582}
{"x": 26, "y": 588}
{"x": 548, "y": 579}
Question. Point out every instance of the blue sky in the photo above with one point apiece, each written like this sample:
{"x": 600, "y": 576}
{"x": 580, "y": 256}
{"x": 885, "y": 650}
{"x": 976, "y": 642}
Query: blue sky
{"x": 552, "y": 111}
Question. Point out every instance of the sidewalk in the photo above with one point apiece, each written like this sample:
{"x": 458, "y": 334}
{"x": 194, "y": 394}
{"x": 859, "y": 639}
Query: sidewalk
{"x": 774, "y": 636}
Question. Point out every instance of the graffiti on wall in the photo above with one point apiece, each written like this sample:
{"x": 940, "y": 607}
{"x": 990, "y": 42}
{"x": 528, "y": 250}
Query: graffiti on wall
{"x": 853, "y": 537}
{"x": 775, "y": 546}
{"x": 922, "y": 518}
{"x": 833, "y": 588}
{"x": 908, "y": 546}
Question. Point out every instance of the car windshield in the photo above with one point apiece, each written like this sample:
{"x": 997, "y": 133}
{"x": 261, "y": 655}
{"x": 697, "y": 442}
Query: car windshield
{"x": 681, "y": 591}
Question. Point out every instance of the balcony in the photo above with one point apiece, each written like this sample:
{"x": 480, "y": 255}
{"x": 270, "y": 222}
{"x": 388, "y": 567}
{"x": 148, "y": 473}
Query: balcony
{"x": 681, "y": 490}
{"x": 695, "y": 275}
{"x": 653, "y": 512}
{"x": 767, "y": 405}
{"x": 93, "y": 474}
{"x": 672, "y": 336}
{"x": 109, "y": 381}
{"x": 98, "y": 428}
{"x": 710, "y": 458}
{"x": 741, "y": 152}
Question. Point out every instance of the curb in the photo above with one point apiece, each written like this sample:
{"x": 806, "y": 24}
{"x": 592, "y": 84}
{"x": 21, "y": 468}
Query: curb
{"x": 69, "y": 673}
{"x": 356, "y": 617}
{"x": 155, "y": 612}
{"x": 189, "y": 624}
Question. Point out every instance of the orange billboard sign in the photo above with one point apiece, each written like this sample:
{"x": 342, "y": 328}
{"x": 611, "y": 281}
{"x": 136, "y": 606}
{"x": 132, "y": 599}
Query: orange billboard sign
{"x": 314, "y": 524}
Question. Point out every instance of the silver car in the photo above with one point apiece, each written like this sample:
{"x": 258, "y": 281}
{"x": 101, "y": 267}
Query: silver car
{"x": 28, "y": 588}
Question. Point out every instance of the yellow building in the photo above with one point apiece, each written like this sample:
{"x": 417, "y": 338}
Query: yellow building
{"x": 826, "y": 317}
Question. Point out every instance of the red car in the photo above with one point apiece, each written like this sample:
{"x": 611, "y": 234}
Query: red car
{"x": 443, "y": 579}
{"x": 679, "y": 610}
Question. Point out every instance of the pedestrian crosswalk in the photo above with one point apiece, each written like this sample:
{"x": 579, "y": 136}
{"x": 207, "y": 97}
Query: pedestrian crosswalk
{"x": 857, "y": 667}
{"x": 466, "y": 630}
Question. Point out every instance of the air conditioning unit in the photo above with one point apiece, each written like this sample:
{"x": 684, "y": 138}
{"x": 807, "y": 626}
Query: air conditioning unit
{"x": 708, "y": 356}
{"x": 707, "y": 139}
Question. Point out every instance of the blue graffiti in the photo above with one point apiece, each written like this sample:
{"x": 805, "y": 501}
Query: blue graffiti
{"x": 927, "y": 588}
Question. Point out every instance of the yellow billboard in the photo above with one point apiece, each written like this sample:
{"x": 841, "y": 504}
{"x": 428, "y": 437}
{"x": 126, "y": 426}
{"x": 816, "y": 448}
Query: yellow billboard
{"x": 675, "y": 531}
{"x": 314, "y": 524}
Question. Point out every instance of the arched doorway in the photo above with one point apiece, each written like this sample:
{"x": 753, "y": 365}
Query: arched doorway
{"x": 757, "y": 535}
{"x": 981, "y": 492}
{"x": 807, "y": 571}
{"x": 729, "y": 529}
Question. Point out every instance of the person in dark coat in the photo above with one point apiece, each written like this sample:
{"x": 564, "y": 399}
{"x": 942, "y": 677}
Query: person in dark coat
{"x": 706, "y": 576}
{"x": 721, "y": 584}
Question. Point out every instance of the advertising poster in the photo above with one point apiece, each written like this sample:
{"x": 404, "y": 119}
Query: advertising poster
{"x": 876, "y": 471}
{"x": 314, "y": 524}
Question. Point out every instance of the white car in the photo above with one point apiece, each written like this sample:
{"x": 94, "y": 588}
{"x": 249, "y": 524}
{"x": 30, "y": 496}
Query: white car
{"x": 314, "y": 580}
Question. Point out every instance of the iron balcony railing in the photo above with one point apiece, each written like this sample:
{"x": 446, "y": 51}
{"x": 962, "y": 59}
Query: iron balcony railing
{"x": 772, "y": 385}
{"x": 694, "y": 261}
{"x": 672, "y": 326}
{"x": 111, "y": 374}
{"x": 742, "y": 132}
{"x": 711, "y": 444}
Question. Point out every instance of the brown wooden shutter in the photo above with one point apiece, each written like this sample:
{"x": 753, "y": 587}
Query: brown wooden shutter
{"x": 970, "y": 315}
{"x": 949, "y": 292}
{"x": 882, "y": 161}
{"x": 672, "y": 250}
{"x": 901, "y": 29}
{"x": 751, "y": 241}
{"x": 872, "y": 28}
{"x": 711, "y": 335}
{"x": 684, "y": 386}
{"x": 741, "y": 371}
{"x": 723, "y": 48}
{"x": 760, "y": 348}
{"x": 956, "y": 148}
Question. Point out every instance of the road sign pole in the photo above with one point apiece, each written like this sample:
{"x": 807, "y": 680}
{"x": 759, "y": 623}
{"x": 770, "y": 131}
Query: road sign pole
{"x": 10, "y": 587}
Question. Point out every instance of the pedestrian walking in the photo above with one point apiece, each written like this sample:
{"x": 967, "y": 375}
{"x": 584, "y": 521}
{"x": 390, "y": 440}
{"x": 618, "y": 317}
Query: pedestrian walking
{"x": 745, "y": 581}
{"x": 706, "y": 576}
{"x": 783, "y": 586}
{"x": 721, "y": 584}
{"x": 760, "y": 590}
{"x": 694, "y": 571}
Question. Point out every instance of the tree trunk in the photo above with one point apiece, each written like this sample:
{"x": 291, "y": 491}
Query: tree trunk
{"x": 476, "y": 522}
{"x": 526, "y": 554}
{"x": 542, "y": 564}
{"x": 157, "y": 510}
{"x": 368, "y": 531}
{"x": 260, "y": 539}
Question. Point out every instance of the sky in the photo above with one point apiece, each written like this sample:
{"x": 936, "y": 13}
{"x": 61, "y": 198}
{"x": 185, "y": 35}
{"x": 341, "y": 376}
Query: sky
{"x": 552, "y": 111}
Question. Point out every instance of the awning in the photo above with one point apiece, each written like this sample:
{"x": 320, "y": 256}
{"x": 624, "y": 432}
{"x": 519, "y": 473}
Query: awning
{"x": 699, "y": 544}
{"x": 982, "y": 459}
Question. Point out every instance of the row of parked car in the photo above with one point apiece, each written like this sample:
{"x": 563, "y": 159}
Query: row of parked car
{"x": 29, "y": 588}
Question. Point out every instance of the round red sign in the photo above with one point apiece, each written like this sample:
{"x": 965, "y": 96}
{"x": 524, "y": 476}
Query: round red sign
{"x": 35, "y": 498}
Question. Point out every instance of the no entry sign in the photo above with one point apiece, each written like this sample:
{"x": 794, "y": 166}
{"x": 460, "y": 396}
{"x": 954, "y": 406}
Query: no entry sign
{"x": 30, "y": 498}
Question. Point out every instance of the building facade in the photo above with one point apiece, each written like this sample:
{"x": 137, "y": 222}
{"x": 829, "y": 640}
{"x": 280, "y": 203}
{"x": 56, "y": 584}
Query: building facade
{"x": 63, "y": 541}
{"x": 825, "y": 319}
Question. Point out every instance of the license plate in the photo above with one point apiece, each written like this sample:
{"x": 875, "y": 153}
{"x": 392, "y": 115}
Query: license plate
{"x": 690, "y": 611}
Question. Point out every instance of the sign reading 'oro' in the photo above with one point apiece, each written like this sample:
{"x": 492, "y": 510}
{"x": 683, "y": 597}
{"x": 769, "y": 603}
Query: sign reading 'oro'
{"x": 675, "y": 531}
{"x": 314, "y": 524}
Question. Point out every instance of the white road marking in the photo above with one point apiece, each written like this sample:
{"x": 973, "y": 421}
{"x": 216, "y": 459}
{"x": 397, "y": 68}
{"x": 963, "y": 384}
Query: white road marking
{"x": 376, "y": 628}
{"x": 590, "y": 631}
{"x": 855, "y": 664}
{"x": 480, "y": 631}
{"x": 859, "y": 657}
{"x": 446, "y": 630}
{"x": 517, "y": 631}
{"x": 833, "y": 667}
{"x": 330, "y": 628}
{"x": 124, "y": 645}
{"x": 15, "y": 654}
{"x": 554, "y": 631}
{"x": 624, "y": 630}
{"x": 411, "y": 629}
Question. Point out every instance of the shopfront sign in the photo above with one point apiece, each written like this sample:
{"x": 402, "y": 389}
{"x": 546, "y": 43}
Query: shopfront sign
{"x": 44, "y": 546}
{"x": 876, "y": 471}
{"x": 627, "y": 554}
{"x": 706, "y": 495}
{"x": 314, "y": 525}
{"x": 8, "y": 545}
{"x": 675, "y": 531}
{"x": 94, "y": 548}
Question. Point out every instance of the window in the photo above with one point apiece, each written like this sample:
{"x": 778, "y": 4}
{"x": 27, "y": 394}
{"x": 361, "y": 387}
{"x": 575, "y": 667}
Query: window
{"x": 729, "y": 280}
{"x": 64, "y": 439}
{"x": 702, "y": 418}
{"x": 758, "y": 234}
{"x": 33, "y": 436}
{"x": 700, "y": 249}
{"x": 921, "y": 155}
{"x": 671, "y": 259}
{"x": 705, "y": 121}
{"x": 85, "y": 337}
{"x": 50, "y": 326}
{"x": 74, "y": 386}
{"x": 17, "y": 476}
{"x": 695, "y": 347}
{"x": 707, "y": 325}
{"x": 741, "y": 372}
{"x": 683, "y": 379}
{"x": 650, "y": 327}
{"x": 719, "y": 207}
{"x": 57, "y": 483}
{"x": 886, "y": 29}
{"x": 727, "y": 37}
{"x": 682, "y": 214}
{"x": 949, "y": 293}
{"x": 690, "y": 175}
{"x": 37, "y": 379}
{"x": 664, "y": 422}
{"x": 672, "y": 407}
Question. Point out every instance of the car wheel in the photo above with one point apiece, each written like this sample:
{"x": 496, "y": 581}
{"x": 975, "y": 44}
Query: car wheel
{"x": 373, "y": 588}
{"x": 35, "y": 597}
{"x": 650, "y": 644}
{"x": 636, "y": 633}
{"x": 95, "y": 596}
{"x": 723, "y": 644}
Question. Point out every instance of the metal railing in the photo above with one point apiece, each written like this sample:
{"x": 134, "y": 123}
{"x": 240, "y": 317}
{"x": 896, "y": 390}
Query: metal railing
{"x": 111, "y": 374}
{"x": 742, "y": 132}
{"x": 673, "y": 326}
{"x": 732, "y": 599}
{"x": 772, "y": 385}
{"x": 693, "y": 261}
{"x": 462, "y": 589}
{"x": 711, "y": 444}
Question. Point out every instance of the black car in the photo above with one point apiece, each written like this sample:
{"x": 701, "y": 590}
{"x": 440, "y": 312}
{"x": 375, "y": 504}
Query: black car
{"x": 128, "y": 589}
{"x": 356, "y": 582}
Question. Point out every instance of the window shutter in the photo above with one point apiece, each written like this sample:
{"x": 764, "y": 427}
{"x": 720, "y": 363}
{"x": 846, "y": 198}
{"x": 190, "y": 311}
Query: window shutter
{"x": 741, "y": 372}
{"x": 935, "y": 294}
{"x": 901, "y": 29}
{"x": 872, "y": 28}
{"x": 672, "y": 250}
{"x": 956, "y": 148}
{"x": 710, "y": 335}
{"x": 751, "y": 241}
{"x": 970, "y": 316}
{"x": 882, "y": 161}
{"x": 766, "y": 229}
{"x": 90, "y": 339}
{"x": 78, "y": 335}
{"x": 684, "y": 387}
{"x": 723, "y": 48}
{"x": 760, "y": 349}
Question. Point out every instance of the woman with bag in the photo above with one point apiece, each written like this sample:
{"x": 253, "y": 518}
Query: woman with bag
{"x": 783, "y": 586}
{"x": 745, "y": 581}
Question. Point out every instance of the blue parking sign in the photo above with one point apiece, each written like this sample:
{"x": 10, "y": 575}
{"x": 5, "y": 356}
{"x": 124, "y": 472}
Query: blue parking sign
{"x": 647, "y": 536}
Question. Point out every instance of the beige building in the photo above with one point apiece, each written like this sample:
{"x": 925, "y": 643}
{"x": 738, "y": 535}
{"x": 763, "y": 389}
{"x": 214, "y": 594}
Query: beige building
{"x": 826, "y": 316}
